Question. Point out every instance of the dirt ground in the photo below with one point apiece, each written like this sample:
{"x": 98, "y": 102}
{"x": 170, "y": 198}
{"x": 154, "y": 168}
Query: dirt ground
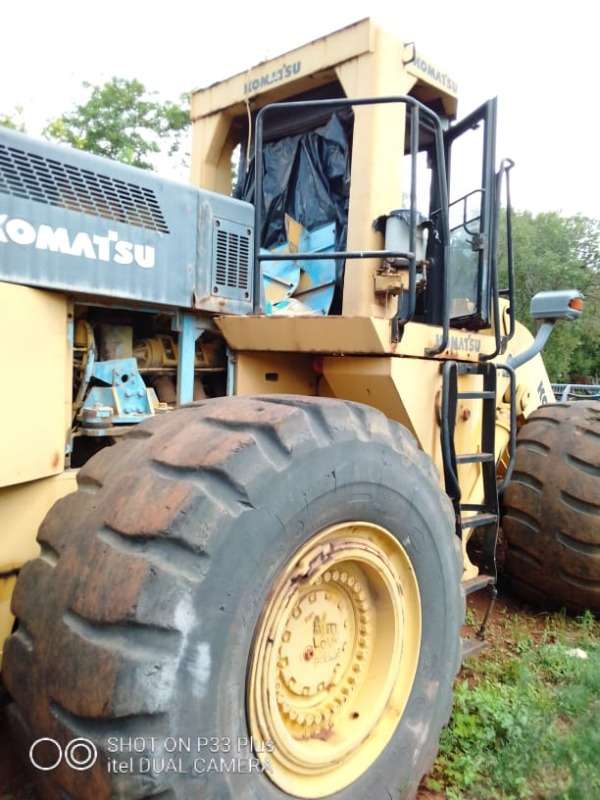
{"x": 16, "y": 782}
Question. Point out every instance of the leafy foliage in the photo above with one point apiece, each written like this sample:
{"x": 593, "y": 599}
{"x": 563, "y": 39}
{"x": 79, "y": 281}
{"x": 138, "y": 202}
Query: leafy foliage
{"x": 13, "y": 121}
{"x": 527, "y": 723}
{"x": 556, "y": 252}
{"x": 123, "y": 121}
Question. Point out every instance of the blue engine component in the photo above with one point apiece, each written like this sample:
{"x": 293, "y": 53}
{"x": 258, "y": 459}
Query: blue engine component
{"x": 301, "y": 286}
{"x": 123, "y": 399}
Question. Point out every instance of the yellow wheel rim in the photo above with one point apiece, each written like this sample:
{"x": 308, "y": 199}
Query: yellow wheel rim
{"x": 334, "y": 659}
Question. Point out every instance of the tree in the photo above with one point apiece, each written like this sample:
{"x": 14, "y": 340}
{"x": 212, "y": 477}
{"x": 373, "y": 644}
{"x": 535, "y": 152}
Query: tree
{"x": 555, "y": 252}
{"x": 122, "y": 120}
{"x": 13, "y": 121}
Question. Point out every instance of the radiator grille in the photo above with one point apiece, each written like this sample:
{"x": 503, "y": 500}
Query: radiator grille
{"x": 232, "y": 258}
{"x": 46, "y": 180}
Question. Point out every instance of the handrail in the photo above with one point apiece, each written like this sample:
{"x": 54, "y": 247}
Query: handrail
{"x": 513, "y": 426}
{"x": 447, "y": 426}
{"x": 501, "y": 341}
{"x": 505, "y": 167}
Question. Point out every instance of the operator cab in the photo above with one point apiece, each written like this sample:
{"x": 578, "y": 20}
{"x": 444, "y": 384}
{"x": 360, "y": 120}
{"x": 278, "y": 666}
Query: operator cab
{"x": 405, "y": 197}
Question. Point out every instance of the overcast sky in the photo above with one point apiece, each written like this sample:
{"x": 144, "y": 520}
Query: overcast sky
{"x": 540, "y": 58}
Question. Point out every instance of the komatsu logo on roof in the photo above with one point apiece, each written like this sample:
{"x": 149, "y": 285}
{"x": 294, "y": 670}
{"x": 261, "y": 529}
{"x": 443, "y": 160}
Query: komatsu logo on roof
{"x": 434, "y": 73}
{"x": 96, "y": 247}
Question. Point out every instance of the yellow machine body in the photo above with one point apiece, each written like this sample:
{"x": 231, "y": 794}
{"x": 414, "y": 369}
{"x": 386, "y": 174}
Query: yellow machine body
{"x": 360, "y": 361}
{"x": 351, "y": 356}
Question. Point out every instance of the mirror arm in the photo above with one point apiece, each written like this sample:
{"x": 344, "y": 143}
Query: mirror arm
{"x": 536, "y": 346}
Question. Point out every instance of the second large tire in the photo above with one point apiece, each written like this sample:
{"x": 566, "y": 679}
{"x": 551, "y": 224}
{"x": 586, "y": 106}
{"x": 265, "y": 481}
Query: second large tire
{"x": 551, "y": 509}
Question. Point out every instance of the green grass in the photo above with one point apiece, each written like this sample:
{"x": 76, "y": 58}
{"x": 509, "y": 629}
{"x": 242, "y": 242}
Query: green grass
{"x": 526, "y": 718}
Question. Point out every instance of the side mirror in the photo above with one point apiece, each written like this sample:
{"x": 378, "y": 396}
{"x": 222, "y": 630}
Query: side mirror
{"x": 555, "y": 306}
{"x": 549, "y": 308}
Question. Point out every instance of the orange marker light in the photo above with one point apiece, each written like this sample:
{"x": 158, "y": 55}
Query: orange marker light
{"x": 576, "y": 303}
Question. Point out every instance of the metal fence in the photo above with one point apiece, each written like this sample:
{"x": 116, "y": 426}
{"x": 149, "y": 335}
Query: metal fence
{"x": 576, "y": 391}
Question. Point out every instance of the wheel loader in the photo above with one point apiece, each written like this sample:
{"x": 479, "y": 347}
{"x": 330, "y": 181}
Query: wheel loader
{"x": 260, "y": 435}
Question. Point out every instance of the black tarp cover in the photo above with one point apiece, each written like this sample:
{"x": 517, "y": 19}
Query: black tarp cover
{"x": 307, "y": 176}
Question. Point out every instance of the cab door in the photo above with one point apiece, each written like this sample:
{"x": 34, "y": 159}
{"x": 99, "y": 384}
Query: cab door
{"x": 470, "y": 150}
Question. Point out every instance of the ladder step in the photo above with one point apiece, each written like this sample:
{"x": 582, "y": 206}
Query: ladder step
{"x": 470, "y": 368}
{"x": 477, "y": 583}
{"x": 474, "y": 458}
{"x": 472, "y": 647}
{"x": 478, "y": 520}
{"x": 476, "y": 395}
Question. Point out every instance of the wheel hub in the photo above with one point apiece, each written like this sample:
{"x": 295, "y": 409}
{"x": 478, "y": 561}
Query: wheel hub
{"x": 334, "y": 658}
{"x": 324, "y": 649}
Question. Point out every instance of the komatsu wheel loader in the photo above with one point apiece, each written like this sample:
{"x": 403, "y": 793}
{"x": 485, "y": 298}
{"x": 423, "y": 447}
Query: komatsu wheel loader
{"x": 257, "y": 441}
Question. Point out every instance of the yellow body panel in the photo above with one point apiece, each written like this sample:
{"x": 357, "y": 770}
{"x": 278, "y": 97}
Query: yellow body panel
{"x": 368, "y": 335}
{"x": 376, "y": 178}
{"x": 275, "y": 373}
{"x": 310, "y": 65}
{"x": 35, "y": 408}
{"x": 7, "y": 618}
{"x": 22, "y": 509}
{"x": 35, "y": 400}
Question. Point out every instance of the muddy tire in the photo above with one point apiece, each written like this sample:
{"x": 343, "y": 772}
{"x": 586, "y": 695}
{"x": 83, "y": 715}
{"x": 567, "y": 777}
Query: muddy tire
{"x": 137, "y": 619}
{"x": 551, "y": 509}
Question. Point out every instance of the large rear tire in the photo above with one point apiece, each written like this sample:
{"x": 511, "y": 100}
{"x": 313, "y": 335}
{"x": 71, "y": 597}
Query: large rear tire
{"x": 551, "y": 509}
{"x": 145, "y": 614}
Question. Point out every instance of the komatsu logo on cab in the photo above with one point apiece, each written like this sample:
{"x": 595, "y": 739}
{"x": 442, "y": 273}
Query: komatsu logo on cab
{"x": 96, "y": 247}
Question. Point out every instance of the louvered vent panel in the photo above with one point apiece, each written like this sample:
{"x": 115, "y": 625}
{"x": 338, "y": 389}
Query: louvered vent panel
{"x": 244, "y": 264}
{"x": 221, "y": 259}
{"x": 46, "y": 180}
{"x": 231, "y": 260}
